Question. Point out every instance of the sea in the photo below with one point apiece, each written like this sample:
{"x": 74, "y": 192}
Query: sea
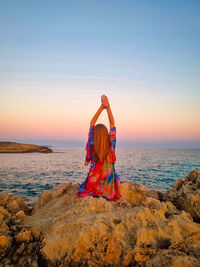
{"x": 29, "y": 174}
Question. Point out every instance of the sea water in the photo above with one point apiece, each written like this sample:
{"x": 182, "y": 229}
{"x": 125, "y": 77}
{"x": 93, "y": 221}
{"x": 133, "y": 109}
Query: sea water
{"x": 28, "y": 174}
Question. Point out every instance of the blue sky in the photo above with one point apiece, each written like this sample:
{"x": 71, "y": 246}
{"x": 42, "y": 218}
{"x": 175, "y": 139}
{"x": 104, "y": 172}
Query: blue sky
{"x": 148, "y": 46}
{"x": 144, "y": 41}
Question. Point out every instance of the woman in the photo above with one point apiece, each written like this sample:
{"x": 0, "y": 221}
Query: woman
{"x": 102, "y": 178}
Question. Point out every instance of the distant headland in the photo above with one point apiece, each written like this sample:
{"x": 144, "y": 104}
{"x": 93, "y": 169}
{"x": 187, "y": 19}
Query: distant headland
{"x": 13, "y": 147}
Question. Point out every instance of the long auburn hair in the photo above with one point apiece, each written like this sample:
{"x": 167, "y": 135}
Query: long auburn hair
{"x": 101, "y": 142}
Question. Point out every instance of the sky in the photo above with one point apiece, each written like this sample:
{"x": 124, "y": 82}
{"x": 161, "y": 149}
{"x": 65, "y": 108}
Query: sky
{"x": 58, "y": 57}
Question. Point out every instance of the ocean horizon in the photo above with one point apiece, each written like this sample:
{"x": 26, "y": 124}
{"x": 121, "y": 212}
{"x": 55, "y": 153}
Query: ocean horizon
{"x": 28, "y": 174}
{"x": 71, "y": 143}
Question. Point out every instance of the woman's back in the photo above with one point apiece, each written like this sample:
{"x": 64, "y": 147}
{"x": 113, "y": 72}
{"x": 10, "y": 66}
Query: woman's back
{"x": 102, "y": 178}
{"x": 90, "y": 147}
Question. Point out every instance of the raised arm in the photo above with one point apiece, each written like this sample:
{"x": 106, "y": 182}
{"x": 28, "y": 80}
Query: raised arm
{"x": 110, "y": 116}
{"x": 95, "y": 117}
{"x": 106, "y": 104}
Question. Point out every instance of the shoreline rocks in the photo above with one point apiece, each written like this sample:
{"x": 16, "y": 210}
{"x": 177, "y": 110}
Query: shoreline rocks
{"x": 185, "y": 194}
{"x": 143, "y": 228}
{"x": 18, "y": 245}
{"x": 13, "y": 147}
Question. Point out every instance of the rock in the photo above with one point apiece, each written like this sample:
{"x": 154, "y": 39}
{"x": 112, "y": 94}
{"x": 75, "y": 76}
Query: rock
{"x": 4, "y": 197}
{"x": 143, "y": 228}
{"x": 134, "y": 194}
{"x": 4, "y": 215}
{"x": 5, "y": 244}
{"x": 36, "y": 232}
{"x": 16, "y": 227}
{"x": 137, "y": 229}
{"x": 186, "y": 261}
{"x": 155, "y": 194}
{"x": 20, "y": 249}
{"x": 34, "y": 263}
{"x": 185, "y": 194}
{"x": 24, "y": 236}
{"x": 185, "y": 253}
{"x": 12, "y": 214}
{"x": 20, "y": 214}
{"x": 6, "y": 261}
{"x": 24, "y": 261}
{"x": 48, "y": 195}
{"x": 43, "y": 199}
{"x": 143, "y": 254}
{"x": 12, "y": 203}
{"x": 15, "y": 204}
{"x": 13, "y": 147}
{"x": 30, "y": 248}
{"x": 4, "y": 229}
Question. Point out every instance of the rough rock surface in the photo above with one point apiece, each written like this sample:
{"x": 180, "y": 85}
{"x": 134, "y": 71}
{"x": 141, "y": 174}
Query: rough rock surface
{"x": 62, "y": 230}
{"x": 18, "y": 244}
{"x": 13, "y": 147}
{"x": 185, "y": 194}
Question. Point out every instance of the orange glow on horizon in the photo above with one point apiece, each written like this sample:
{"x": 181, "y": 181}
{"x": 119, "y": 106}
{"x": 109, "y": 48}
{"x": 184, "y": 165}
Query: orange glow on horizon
{"x": 138, "y": 116}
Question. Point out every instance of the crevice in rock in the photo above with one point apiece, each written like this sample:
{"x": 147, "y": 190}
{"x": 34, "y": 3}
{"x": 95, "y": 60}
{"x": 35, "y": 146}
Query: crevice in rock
{"x": 196, "y": 220}
{"x": 168, "y": 214}
{"x": 116, "y": 221}
{"x": 163, "y": 243}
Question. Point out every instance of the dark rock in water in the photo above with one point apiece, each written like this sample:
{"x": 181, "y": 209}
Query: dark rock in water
{"x": 143, "y": 228}
{"x": 13, "y": 147}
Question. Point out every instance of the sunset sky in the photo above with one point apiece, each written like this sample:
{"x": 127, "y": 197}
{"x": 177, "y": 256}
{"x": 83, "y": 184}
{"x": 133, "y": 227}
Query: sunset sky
{"x": 58, "y": 57}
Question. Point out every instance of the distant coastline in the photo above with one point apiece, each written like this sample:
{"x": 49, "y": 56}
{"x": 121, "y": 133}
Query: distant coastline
{"x": 14, "y": 147}
{"x": 133, "y": 144}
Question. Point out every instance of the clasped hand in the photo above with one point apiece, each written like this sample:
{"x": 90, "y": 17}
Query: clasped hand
{"x": 104, "y": 101}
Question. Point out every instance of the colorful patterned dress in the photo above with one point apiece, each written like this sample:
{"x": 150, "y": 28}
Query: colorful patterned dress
{"x": 102, "y": 178}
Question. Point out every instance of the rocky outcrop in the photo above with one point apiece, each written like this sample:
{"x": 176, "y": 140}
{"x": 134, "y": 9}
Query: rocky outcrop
{"x": 13, "y": 147}
{"x": 185, "y": 194}
{"x": 62, "y": 230}
{"x": 19, "y": 245}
